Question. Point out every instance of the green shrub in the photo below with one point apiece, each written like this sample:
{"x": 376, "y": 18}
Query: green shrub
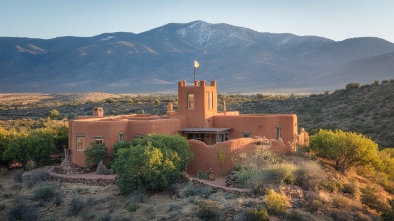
{"x": 202, "y": 175}
{"x": 36, "y": 176}
{"x": 189, "y": 190}
{"x": 76, "y": 205}
{"x": 388, "y": 214}
{"x": 310, "y": 175}
{"x": 208, "y": 210}
{"x": 276, "y": 202}
{"x": 133, "y": 206}
{"x": 371, "y": 198}
{"x": 330, "y": 186}
{"x": 257, "y": 215}
{"x": 279, "y": 173}
{"x": 204, "y": 191}
{"x": 57, "y": 199}
{"x": 18, "y": 176}
{"x": 35, "y": 147}
{"x": 95, "y": 153}
{"x": 138, "y": 196}
{"x": 105, "y": 217}
{"x": 2, "y": 206}
{"x": 350, "y": 188}
{"x": 21, "y": 211}
{"x": 299, "y": 215}
{"x": 146, "y": 166}
{"x": 43, "y": 192}
{"x": 352, "y": 86}
{"x": 259, "y": 188}
{"x": 243, "y": 177}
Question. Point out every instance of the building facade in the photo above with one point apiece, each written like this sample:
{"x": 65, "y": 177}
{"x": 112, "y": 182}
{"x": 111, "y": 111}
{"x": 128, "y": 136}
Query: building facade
{"x": 197, "y": 119}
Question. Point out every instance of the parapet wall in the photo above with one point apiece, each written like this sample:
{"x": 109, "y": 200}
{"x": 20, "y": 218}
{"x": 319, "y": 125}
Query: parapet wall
{"x": 205, "y": 156}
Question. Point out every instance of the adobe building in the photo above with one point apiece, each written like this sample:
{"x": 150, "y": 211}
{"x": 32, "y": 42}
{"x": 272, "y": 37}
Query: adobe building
{"x": 197, "y": 119}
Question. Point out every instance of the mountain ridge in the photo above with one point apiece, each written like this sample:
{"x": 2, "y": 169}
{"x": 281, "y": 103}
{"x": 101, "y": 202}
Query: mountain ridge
{"x": 240, "y": 59}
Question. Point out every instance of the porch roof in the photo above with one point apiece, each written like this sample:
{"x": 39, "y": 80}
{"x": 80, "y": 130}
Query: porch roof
{"x": 205, "y": 130}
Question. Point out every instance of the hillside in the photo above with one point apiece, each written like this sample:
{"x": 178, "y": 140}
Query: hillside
{"x": 240, "y": 59}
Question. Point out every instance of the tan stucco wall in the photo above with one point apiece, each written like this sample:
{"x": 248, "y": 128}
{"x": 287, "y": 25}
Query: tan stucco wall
{"x": 260, "y": 125}
{"x": 205, "y": 158}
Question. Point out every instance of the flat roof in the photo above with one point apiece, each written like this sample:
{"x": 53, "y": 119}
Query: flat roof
{"x": 205, "y": 130}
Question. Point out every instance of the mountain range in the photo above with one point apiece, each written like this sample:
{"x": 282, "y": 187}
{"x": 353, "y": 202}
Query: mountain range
{"x": 241, "y": 60}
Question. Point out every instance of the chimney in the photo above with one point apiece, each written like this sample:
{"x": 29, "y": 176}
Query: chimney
{"x": 98, "y": 112}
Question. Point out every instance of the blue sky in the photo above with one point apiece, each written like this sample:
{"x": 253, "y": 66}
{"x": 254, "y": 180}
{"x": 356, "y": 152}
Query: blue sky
{"x": 334, "y": 19}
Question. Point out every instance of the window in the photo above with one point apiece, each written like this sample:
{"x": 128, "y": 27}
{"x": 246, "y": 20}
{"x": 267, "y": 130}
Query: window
{"x": 278, "y": 133}
{"x": 222, "y": 137}
{"x": 246, "y": 134}
{"x": 190, "y": 101}
{"x": 98, "y": 139}
{"x": 80, "y": 143}
{"x": 121, "y": 137}
{"x": 210, "y": 100}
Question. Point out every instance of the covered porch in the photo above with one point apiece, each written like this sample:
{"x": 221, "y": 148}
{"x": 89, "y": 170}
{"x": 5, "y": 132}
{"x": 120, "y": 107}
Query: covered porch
{"x": 209, "y": 136}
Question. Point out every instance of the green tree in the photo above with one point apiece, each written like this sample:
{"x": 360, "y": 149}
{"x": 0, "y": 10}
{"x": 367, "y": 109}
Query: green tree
{"x": 346, "y": 149}
{"x": 53, "y": 114}
{"x": 95, "y": 153}
{"x": 37, "y": 147}
{"x": 152, "y": 162}
{"x": 4, "y": 140}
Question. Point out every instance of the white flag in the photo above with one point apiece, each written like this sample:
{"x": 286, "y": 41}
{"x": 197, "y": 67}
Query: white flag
{"x": 196, "y": 64}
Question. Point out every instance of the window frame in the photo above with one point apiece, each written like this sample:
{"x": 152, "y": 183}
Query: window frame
{"x": 190, "y": 101}
{"x": 210, "y": 99}
{"x": 278, "y": 132}
{"x": 82, "y": 138}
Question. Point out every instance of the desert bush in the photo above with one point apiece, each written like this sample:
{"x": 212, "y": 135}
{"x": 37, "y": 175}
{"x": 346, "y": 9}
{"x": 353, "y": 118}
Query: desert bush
{"x": 202, "y": 175}
{"x": 370, "y": 197}
{"x": 259, "y": 188}
{"x": 133, "y": 206}
{"x": 339, "y": 215}
{"x": 2, "y": 206}
{"x": 243, "y": 176}
{"x": 350, "y": 188}
{"x": 17, "y": 176}
{"x": 57, "y": 199}
{"x": 352, "y": 86}
{"x": 258, "y": 160}
{"x": 95, "y": 153}
{"x": 173, "y": 207}
{"x": 138, "y": 196}
{"x": 299, "y": 215}
{"x": 189, "y": 190}
{"x": 208, "y": 210}
{"x": 388, "y": 214}
{"x": 36, "y": 177}
{"x": 204, "y": 191}
{"x": 278, "y": 173}
{"x": 105, "y": 217}
{"x": 340, "y": 202}
{"x": 257, "y": 215}
{"x": 43, "y": 191}
{"x": 330, "y": 186}
{"x": 310, "y": 175}
{"x": 276, "y": 202}
{"x": 76, "y": 205}
{"x": 21, "y": 211}
{"x": 88, "y": 216}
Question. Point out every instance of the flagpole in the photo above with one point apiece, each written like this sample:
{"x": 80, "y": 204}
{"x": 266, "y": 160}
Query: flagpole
{"x": 194, "y": 73}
